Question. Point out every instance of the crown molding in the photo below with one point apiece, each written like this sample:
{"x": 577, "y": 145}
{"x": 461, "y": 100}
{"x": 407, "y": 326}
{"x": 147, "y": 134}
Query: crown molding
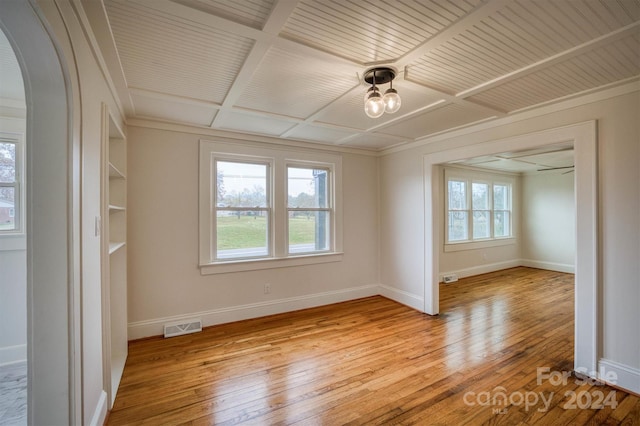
{"x": 244, "y": 137}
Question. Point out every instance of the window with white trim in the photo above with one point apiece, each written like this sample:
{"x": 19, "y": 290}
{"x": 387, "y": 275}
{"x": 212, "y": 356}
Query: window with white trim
{"x": 478, "y": 207}
{"x": 10, "y": 199}
{"x": 242, "y": 208}
{"x": 309, "y": 209}
{"x": 267, "y": 207}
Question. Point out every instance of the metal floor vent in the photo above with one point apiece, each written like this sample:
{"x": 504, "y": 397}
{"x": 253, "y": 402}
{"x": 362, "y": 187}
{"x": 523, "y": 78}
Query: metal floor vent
{"x": 180, "y": 328}
{"x": 452, "y": 278}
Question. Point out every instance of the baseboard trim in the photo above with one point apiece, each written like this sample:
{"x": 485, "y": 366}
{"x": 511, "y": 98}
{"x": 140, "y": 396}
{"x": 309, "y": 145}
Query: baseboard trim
{"x": 100, "y": 413}
{"x": 482, "y": 269}
{"x": 154, "y": 327}
{"x": 404, "y": 297}
{"x": 13, "y": 354}
{"x": 627, "y": 378}
{"x": 551, "y": 266}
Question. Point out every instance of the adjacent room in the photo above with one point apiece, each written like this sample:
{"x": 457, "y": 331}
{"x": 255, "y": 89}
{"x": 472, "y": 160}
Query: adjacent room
{"x": 320, "y": 211}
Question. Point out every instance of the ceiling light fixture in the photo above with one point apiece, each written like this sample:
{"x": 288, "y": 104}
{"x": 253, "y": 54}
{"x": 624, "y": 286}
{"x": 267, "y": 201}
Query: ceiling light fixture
{"x": 375, "y": 104}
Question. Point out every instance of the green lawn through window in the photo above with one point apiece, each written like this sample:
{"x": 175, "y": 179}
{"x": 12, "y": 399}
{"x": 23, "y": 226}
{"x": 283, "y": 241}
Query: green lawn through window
{"x": 251, "y": 231}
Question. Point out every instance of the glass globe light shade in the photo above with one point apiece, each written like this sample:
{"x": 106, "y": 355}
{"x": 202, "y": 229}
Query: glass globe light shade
{"x": 374, "y": 106}
{"x": 392, "y": 101}
{"x": 368, "y": 92}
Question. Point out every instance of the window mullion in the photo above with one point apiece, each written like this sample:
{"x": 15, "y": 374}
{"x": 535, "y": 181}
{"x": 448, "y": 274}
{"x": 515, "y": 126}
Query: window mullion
{"x": 279, "y": 204}
{"x": 469, "y": 197}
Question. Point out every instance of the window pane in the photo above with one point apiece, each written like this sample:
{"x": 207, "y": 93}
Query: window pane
{"x": 307, "y": 188}
{"x": 501, "y": 197}
{"x": 481, "y": 227}
{"x": 309, "y": 231}
{"x": 458, "y": 226}
{"x": 457, "y": 195}
{"x": 241, "y": 184}
{"x": 480, "y": 196}
{"x": 7, "y": 162}
{"x": 7, "y": 209}
{"x": 502, "y": 224}
{"x": 242, "y": 233}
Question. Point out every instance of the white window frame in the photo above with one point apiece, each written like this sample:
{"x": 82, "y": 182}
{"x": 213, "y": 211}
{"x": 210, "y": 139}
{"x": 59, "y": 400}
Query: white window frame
{"x": 329, "y": 167}
{"x": 268, "y": 162}
{"x": 470, "y": 177}
{"x": 17, "y": 185}
{"x": 279, "y": 159}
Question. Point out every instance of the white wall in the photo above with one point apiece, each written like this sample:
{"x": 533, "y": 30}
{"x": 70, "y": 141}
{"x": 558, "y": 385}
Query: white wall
{"x": 549, "y": 221}
{"x": 164, "y": 278}
{"x": 13, "y": 300}
{"x": 402, "y": 208}
{"x": 13, "y": 280}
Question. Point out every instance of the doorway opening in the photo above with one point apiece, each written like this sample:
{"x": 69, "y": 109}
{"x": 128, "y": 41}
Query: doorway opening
{"x": 13, "y": 245}
{"x": 583, "y": 138}
{"x": 51, "y": 219}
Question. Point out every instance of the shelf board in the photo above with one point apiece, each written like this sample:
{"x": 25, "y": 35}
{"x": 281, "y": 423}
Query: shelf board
{"x": 114, "y": 173}
{"x": 113, "y": 247}
{"x": 113, "y": 208}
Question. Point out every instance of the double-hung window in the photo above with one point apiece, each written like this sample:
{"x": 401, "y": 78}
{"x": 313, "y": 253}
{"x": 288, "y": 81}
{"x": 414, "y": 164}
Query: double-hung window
{"x": 242, "y": 208}
{"x": 309, "y": 209}
{"x": 10, "y": 199}
{"x": 478, "y": 206}
{"x": 267, "y": 207}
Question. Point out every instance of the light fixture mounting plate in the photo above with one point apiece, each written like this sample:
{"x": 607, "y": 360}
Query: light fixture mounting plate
{"x": 383, "y": 75}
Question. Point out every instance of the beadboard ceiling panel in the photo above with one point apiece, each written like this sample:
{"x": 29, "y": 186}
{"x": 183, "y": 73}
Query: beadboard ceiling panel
{"x": 171, "y": 111}
{"x": 519, "y": 34}
{"x": 293, "y": 69}
{"x": 171, "y": 55}
{"x": 252, "y": 13}
{"x": 443, "y": 118}
{"x": 374, "y": 141}
{"x": 291, "y": 84}
{"x": 556, "y": 159}
{"x": 320, "y": 134}
{"x": 249, "y": 123}
{"x": 371, "y": 31}
{"x": 606, "y": 65}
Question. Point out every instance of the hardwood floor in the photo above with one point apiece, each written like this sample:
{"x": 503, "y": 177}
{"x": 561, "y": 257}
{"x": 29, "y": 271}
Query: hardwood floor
{"x": 374, "y": 361}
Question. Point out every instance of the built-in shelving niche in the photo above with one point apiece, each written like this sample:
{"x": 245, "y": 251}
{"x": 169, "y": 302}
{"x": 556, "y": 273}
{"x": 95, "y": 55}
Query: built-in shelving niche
{"x": 114, "y": 253}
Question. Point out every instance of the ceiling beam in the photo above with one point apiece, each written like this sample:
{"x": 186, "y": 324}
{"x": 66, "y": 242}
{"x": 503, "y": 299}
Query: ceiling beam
{"x": 276, "y": 20}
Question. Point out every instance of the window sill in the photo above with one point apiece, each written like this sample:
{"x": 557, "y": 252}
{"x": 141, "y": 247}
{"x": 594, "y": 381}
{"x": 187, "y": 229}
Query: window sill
{"x": 473, "y": 245}
{"x": 13, "y": 241}
{"x": 271, "y": 263}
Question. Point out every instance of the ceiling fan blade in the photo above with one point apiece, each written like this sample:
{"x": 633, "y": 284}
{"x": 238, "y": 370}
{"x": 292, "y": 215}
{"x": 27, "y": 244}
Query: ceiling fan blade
{"x": 555, "y": 168}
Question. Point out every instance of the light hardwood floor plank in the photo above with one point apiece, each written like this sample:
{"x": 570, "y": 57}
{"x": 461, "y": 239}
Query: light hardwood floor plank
{"x": 374, "y": 361}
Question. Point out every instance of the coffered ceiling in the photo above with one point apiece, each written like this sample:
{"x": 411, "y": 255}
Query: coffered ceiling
{"x": 293, "y": 69}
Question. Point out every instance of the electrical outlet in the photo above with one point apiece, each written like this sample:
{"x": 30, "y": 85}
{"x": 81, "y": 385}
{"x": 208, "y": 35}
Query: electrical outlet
{"x": 267, "y": 288}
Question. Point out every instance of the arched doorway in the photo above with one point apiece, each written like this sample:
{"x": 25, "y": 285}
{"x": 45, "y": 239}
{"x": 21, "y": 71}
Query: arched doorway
{"x": 52, "y": 227}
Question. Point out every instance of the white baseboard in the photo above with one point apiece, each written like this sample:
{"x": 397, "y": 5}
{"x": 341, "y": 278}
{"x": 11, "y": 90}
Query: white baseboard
{"x": 100, "y": 413}
{"x": 154, "y": 327}
{"x": 409, "y": 299}
{"x": 551, "y": 266}
{"x": 627, "y": 378}
{"x": 482, "y": 269}
{"x": 13, "y": 354}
